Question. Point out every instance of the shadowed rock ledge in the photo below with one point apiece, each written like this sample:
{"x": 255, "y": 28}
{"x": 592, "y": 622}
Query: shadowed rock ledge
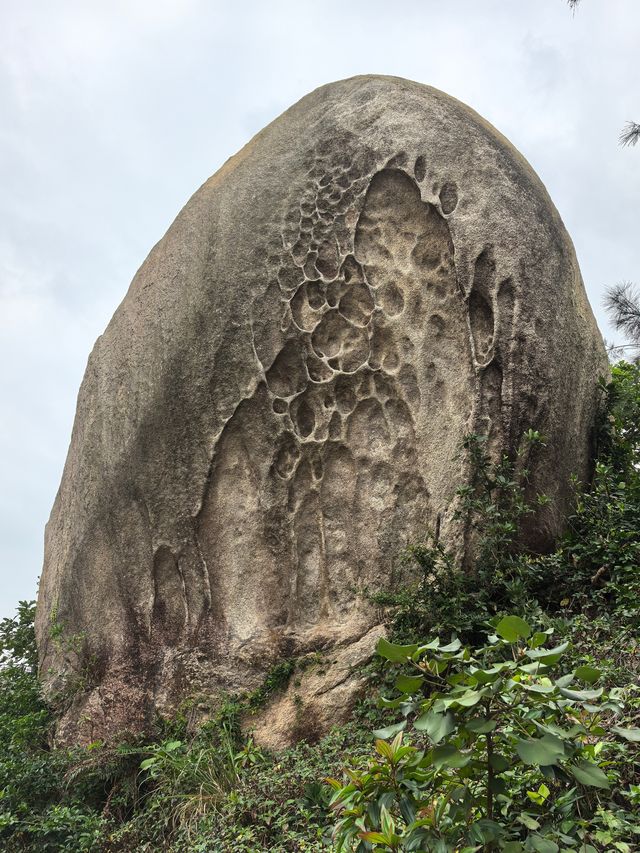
{"x": 274, "y": 410}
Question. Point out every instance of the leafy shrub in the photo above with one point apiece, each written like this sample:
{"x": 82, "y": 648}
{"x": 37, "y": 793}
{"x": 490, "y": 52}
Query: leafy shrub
{"x": 492, "y": 508}
{"x": 508, "y": 754}
{"x": 597, "y": 565}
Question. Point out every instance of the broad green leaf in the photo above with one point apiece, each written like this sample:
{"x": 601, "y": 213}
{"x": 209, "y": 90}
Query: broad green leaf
{"x": 538, "y": 639}
{"x": 542, "y": 845}
{"x": 449, "y": 756}
{"x": 533, "y": 668}
{"x": 384, "y": 749}
{"x": 436, "y": 726}
{"x": 632, "y": 735}
{"x": 393, "y": 652}
{"x": 390, "y": 703}
{"x": 548, "y": 656}
{"x": 374, "y": 838}
{"x": 589, "y": 774}
{"x": 588, "y": 673}
{"x": 147, "y": 763}
{"x": 486, "y": 676}
{"x": 499, "y": 763}
{"x": 528, "y": 821}
{"x": 512, "y": 847}
{"x": 390, "y": 731}
{"x": 485, "y": 830}
{"x": 171, "y": 745}
{"x": 480, "y": 725}
{"x": 409, "y": 683}
{"x": 581, "y": 695}
{"x": 453, "y": 646}
{"x": 513, "y": 628}
{"x": 387, "y": 822}
{"x": 540, "y": 751}
{"x": 540, "y": 687}
{"x": 469, "y": 698}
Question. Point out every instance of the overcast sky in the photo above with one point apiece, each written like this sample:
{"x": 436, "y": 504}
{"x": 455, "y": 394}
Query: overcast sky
{"x": 112, "y": 113}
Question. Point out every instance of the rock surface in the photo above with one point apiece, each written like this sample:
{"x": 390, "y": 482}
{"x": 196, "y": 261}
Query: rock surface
{"x": 275, "y": 408}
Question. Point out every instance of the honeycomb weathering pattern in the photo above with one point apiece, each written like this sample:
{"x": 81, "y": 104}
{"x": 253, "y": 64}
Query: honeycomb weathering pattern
{"x": 274, "y": 411}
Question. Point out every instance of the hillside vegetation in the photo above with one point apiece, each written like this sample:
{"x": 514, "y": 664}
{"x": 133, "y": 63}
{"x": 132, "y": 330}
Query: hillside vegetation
{"x": 503, "y": 714}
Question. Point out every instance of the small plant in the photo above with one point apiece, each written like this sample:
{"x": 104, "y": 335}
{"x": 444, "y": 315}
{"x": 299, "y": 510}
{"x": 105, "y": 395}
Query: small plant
{"x": 506, "y": 752}
{"x": 491, "y": 508}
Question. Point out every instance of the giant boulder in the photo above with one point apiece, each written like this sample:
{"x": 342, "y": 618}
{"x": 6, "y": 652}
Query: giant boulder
{"x": 275, "y": 409}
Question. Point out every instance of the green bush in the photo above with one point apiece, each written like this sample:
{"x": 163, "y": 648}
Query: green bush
{"x": 508, "y": 755}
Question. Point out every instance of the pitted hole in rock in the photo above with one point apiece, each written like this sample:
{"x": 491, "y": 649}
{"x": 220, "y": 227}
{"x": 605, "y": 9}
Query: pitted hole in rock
{"x": 399, "y": 417}
{"x": 346, "y": 346}
{"x": 506, "y": 307}
{"x": 480, "y": 302}
{"x": 317, "y": 369}
{"x": 351, "y": 270}
{"x": 335, "y": 427}
{"x": 383, "y": 386}
{"x": 448, "y": 198}
{"x": 398, "y": 234}
{"x": 431, "y": 371}
{"x": 355, "y": 349}
{"x": 303, "y": 417}
{"x": 407, "y": 346}
{"x": 409, "y": 382}
{"x": 440, "y": 291}
{"x": 334, "y": 291}
{"x": 427, "y": 252}
{"x": 364, "y": 386}
{"x": 437, "y": 325}
{"x": 309, "y": 268}
{"x": 327, "y": 262}
{"x": 266, "y": 316}
{"x": 491, "y": 401}
{"x": 330, "y": 335}
{"x": 338, "y": 487}
{"x": 287, "y": 375}
{"x": 287, "y": 456}
{"x": 357, "y": 304}
{"x": 317, "y": 466}
{"x": 398, "y": 161}
{"x": 384, "y": 353}
{"x": 169, "y": 604}
{"x": 299, "y": 251}
{"x": 289, "y": 278}
{"x": 315, "y": 295}
{"x": 302, "y": 312}
{"x": 390, "y": 361}
{"x": 367, "y": 428}
{"x": 390, "y": 299}
{"x": 279, "y": 406}
{"x": 420, "y": 169}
